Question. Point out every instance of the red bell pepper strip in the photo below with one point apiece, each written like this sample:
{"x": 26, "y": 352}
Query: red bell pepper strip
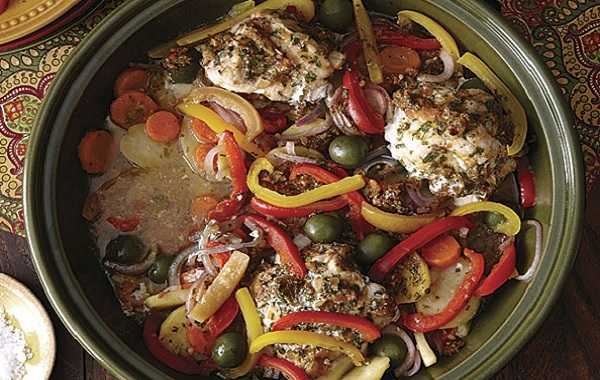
{"x": 418, "y": 322}
{"x": 354, "y": 198}
{"x": 124, "y": 224}
{"x": 363, "y": 115}
{"x": 289, "y": 370}
{"x": 282, "y": 244}
{"x": 237, "y": 169}
{"x": 202, "y": 341}
{"x": 366, "y": 328}
{"x": 267, "y": 209}
{"x": 399, "y": 39}
{"x": 273, "y": 121}
{"x": 500, "y": 273}
{"x": 160, "y": 352}
{"x": 526, "y": 183}
{"x": 416, "y": 240}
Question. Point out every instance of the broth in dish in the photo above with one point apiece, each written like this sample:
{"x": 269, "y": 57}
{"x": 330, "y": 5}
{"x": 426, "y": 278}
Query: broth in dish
{"x": 306, "y": 190}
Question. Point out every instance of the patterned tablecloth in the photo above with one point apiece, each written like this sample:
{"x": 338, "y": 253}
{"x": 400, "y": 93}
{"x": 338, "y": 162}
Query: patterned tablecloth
{"x": 566, "y": 33}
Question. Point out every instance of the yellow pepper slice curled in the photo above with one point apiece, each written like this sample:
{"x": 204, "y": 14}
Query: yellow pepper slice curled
{"x": 394, "y": 222}
{"x": 308, "y": 338}
{"x": 509, "y": 101}
{"x": 254, "y": 329}
{"x": 435, "y": 30}
{"x": 369, "y": 43}
{"x": 511, "y": 225}
{"x": 343, "y": 186}
{"x": 218, "y": 125}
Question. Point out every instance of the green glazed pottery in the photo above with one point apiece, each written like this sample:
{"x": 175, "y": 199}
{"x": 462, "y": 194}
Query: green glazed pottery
{"x": 56, "y": 187}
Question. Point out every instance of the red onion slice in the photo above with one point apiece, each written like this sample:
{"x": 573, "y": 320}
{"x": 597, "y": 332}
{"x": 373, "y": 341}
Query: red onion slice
{"x": 209, "y": 163}
{"x": 310, "y": 116}
{"x": 196, "y": 292}
{"x": 378, "y": 98}
{"x": 445, "y": 75}
{"x": 297, "y": 131}
{"x": 416, "y": 365}
{"x": 133, "y": 269}
{"x": 175, "y": 268}
{"x": 344, "y": 124}
{"x": 410, "y": 347}
{"x": 527, "y": 276}
{"x": 229, "y": 116}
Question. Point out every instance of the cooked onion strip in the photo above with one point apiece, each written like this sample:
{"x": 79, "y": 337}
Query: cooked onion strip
{"x": 302, "y": 241}
{"x": 378, "y": 98}
{"x": 527, "y": 276}
{"x": 209, "y": 163}
{"x": 133, "y": 269}
{"x": 311, "y": 116}
{"x": 411, "y": 354}
{"x": 448, "y": 72}
{"x": 175, "y": 268}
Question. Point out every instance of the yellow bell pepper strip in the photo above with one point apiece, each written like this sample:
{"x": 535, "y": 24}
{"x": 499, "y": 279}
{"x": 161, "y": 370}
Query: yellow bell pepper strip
{"x": 308, "y": 338}
{"x": 375, "y": 370}
{"x": 233, "y": 102}
{"x": 511, "y": 225}
{"x": 222, "y": 287}
{"x": 306, "y": 8}
{"x": 218, "y": 125}
{"x": 254, "y": 329}
{"x": 369, "y": 43}
{"x": 167, "y": 299}
{"x": 509, "y": 101}
{"x": 394, "y": 222}
{"x": 435, "y": 30}
{"x": 343, "y": 186}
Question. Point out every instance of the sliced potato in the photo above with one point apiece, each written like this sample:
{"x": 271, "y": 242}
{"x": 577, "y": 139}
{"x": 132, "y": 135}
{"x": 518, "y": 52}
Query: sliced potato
{"x": 427, "y": 354}
{"x": 167, "y": 300}
{"x": 444, "y": 283}
{"x": 372, "y": 371}
{"x": 173, "y": 332}
{"x": 411, "y": 279}
{"x": 467, "y": 313}
{"x": 339, "y": 368}
{"x": 144, "y": 152}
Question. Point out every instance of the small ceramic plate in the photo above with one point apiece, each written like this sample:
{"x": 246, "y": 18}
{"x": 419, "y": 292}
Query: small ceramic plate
{"x": 25, "y": 16}
{"x": 27, "y": 313}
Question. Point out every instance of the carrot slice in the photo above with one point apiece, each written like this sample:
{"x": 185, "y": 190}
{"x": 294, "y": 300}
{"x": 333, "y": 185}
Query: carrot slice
{"x": 203, "y": 132}
{"x": 201, "y": 206}
{"x": 399, "y": 59}
{"x": 133, "y": 79}
{"x": 95, "y": 151}
{"x": 200, "y": 154}
{"x": 442, "y": 252}
{"x": 132, "y": 108}
{"x": 163, "y": 127}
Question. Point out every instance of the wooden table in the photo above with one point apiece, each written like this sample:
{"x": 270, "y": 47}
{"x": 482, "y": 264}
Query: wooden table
{"x": 567, "y": 346}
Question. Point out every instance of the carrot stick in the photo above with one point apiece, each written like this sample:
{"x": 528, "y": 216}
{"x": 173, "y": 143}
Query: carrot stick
{"x": 95, "y": 151}
{"x": 442, "y": 252}
{"x": 200, "y": 154}
{"x": 132, "y": 108}
{"x": 163, "y": 127}
{"x": 133, "y": 79}
{"x": 203, "y": 132}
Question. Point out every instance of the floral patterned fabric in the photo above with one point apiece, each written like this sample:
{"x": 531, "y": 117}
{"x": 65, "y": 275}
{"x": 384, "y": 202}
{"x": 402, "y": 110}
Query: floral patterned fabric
{"x": 566, "y": 33}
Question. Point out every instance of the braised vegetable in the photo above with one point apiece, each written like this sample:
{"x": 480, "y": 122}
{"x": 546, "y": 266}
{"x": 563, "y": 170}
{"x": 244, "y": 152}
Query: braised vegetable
{"x": 411, "y": 279}
{"x": 132, "y": 108}
{"x": 96, "y": 150}
{"x": 173, "y": 332}
{"x": 442, "y": 252}
{"x": 510, "y": 224}
{"x": 132, "y": 79}
{"x": 163, "y": 127}
{"x": 141, "y": 150}
{"x": 372, "y": 371}
{"x": 390, "y": 222}
{"x": 167, "y": 300}
{"x": 435, "y": 29}
{"x": 288, "y": 369}
{"x": 399, "y": 60}
{"x": 369, "y": 43}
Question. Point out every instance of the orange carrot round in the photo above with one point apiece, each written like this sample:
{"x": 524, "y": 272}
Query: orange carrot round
{"x": 163, "y": 127}
{"x": 399, "y": 59}
{"x": 442, "y": 252}
{"x": 95, "y": 151}
{"x": 133, "y": 79}
{"x": 132, "y": 108}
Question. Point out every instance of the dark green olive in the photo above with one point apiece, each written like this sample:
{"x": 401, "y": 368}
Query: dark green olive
{"x": 349, "y": 151}
{"x": 493, "y": 219}
{"x": 182, "y": 64}
{"x": 159, "y": 271}
{"x": 125, "y": 249}
{"x": 336, "y": 14}
{"x": 372, "y": 247}
{"x": 474, "y": 83}
{"x": 230, "y": 350}
{"x": 323, "y": 228}
{"x": 391, "y": 346}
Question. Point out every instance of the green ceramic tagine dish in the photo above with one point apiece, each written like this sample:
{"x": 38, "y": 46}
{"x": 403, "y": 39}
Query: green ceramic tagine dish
{"x": 56, "y": 186}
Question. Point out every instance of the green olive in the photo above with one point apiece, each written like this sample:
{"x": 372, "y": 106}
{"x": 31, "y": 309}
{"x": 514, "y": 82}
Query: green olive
{"x": 230, "y": 350}
{"x": 323, "y": 228}
{"x": 125, "y": 249}
{"x": 349, "y": 151}
{"x": 336, "y": 14}
{"x": 391, "y": 346}
{"x": 473, "y": 83}
{"x": 372, "y": 247}
{"x": 159, "y": 271}
{"x": 493, "y": 219}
